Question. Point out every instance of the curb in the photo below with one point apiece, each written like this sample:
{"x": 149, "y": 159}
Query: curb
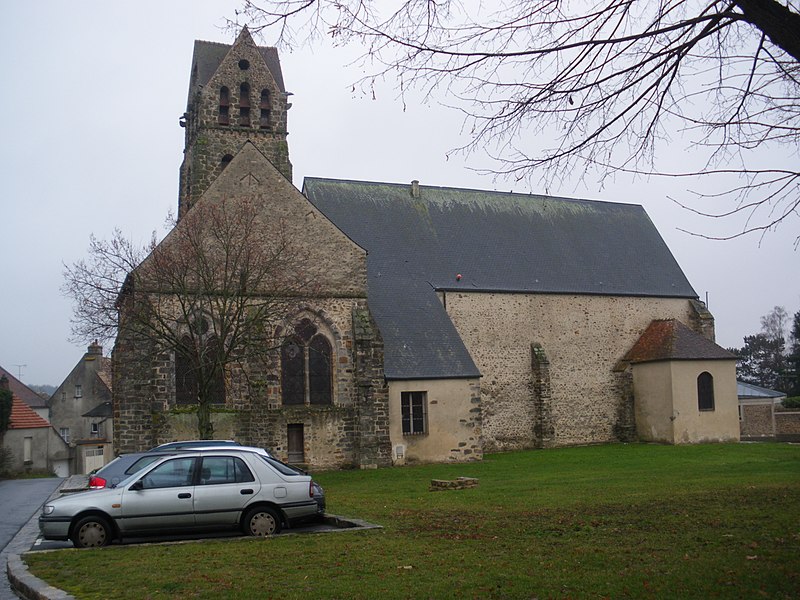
{"x": 27, "y": 586}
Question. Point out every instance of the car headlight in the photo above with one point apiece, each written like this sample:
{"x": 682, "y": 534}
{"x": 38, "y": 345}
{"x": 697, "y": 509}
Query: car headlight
{"x": 48, "y": 508}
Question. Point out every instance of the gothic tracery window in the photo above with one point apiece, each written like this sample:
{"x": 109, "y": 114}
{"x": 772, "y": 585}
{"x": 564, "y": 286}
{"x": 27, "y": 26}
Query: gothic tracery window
{"x": 306, "y": 369}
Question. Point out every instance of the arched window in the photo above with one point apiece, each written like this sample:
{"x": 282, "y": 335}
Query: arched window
{"x": 705, "y": 391}
{"x": 188, "y": 372}
{"x": 244, "y": 104}
{"x": 319, "y": 370}
{"x": 264, "y": 106}
{"x": 306, "y": 367}
{"x": 224, "y": 106}
{"x": 293, "y": 371}
{"x": 225, "y": 161}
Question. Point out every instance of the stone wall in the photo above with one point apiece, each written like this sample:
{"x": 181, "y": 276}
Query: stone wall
{"x": 579, "y": 341}
{"x": 787, "y": 425}
{"x": 757, "y": 420}
{"x": 352, "y": 431}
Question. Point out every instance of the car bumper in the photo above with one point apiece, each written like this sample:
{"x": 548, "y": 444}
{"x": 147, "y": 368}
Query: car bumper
{"x": 300, "y": 511}
{"x": 54, "y": 528}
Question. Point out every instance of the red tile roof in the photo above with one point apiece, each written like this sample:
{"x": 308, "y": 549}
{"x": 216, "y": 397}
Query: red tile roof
{"x": 24, "y": 417}
{"x": 669, "y": 339}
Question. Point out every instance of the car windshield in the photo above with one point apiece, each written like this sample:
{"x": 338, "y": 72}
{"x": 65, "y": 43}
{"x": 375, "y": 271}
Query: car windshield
{"x": 281, "y": 467}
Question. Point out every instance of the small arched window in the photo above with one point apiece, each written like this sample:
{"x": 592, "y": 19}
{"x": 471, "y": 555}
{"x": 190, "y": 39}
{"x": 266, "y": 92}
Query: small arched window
{"x": 224, "y": 106}
{"x": 225, "y": 161}
{"x": 705, "y": 391}
{"x": 306, "y": 367}
{"x": 265, "y": 107}
{"x": 244, "y": 104}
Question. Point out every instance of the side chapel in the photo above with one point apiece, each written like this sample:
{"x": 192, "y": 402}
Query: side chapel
{"x": 445, "y": 322}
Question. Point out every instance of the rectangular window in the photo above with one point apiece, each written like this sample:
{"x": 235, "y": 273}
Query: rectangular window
{"x": 78, "y": 391}
{"x": 63, "y": 395}
{"x": 95, "y": 429}
{"x": 64, "y": 433}
{"x": 27, "y": 445}
{"x": 413, "y": 406}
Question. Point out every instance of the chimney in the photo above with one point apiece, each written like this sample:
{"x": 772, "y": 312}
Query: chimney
{"x": 95, "y": 349}
{"x": 415, "y": 188}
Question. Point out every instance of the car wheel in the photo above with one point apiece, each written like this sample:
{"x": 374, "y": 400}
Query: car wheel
{"x": 91, "y": 532}
{"x": 262, "y": 521}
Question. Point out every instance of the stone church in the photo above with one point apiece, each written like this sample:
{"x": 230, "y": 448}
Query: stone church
{"x": 445, "y": 322}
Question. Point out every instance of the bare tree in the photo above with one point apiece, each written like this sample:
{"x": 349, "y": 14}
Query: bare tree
{"x": 215, "y": 292}
{"x": 611, "y": 82}
{"x": 775, "y": 324}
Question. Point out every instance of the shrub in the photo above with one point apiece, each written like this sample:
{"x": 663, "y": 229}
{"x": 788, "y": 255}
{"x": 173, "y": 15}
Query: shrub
{"x": 5, "y": 462}
{"x": 793, "y": 402}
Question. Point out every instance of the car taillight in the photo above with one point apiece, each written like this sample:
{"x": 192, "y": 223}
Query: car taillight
{"x": 96, "y": 482}
{"x": 310, "y": 489}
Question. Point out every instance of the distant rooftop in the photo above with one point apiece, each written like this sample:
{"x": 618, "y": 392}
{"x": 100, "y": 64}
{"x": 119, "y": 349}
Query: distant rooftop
{"x": 752, "y": 391}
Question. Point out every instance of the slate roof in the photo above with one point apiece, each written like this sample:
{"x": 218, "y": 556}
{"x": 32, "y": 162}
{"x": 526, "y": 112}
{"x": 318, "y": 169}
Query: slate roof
{"x": 23, "y": 392}
{"x": 104, "y": 409}
{"x": 752, "y": 391}
{"x": 497, "y": 242}
{"x": 24, "y": 417}
{"x": 209, "y": 55}
{"x": 669, "y": 339}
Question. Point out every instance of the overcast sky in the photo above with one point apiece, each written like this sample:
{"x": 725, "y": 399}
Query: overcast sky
{"x": 91, "y": 100}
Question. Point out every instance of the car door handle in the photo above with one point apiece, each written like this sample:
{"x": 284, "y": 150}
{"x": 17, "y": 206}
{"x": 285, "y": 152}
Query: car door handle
{"x": 245, "y": 492}
{"x": 185, "y": 495}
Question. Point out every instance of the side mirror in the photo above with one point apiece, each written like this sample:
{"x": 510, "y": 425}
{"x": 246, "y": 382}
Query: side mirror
{"x": 137, "y": 486}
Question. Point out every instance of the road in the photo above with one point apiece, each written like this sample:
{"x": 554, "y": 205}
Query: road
{"x": 19, "y": 500}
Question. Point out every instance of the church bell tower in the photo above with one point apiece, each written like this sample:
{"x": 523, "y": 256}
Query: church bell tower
{"x": 236, "y": 94}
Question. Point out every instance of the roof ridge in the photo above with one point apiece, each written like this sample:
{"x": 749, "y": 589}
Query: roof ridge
{"x": 518, "y": 195}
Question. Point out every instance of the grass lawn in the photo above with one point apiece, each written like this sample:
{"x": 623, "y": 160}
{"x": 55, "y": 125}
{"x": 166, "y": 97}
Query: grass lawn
{"x": 616, "y": 521}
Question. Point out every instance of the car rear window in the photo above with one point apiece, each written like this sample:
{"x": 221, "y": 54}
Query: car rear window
{"x": 282, "y": 468}
{"x": 142, "y": 463}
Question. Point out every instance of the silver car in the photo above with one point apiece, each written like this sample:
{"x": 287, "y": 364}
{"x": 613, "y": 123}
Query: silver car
{"x": 191, "y": 491}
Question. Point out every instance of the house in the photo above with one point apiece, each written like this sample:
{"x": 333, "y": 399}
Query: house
{"x": 80, "y": 410}
{"x": 26, "y": 394}
{"x": 446, "y": 322}
{"x": 33, "y": 444}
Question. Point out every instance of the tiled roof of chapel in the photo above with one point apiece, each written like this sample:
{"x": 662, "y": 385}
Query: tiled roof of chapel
{"x": 669, "y": 339}
{"x": 451, "y": 239}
